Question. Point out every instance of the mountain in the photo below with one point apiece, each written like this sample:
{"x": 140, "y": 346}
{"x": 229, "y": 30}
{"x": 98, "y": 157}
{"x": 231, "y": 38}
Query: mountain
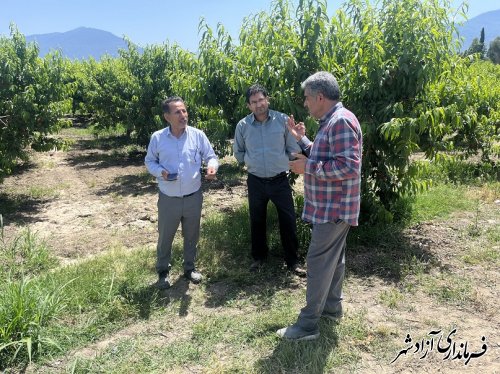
{"x": 472, "y": 28}
{"x": 80, "y": 43}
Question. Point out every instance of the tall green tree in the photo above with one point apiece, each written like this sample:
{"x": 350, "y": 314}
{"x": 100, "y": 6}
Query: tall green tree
{"x": 127, "y": 91}
{"x": 149, "y": 73}
{"x": 277, "y": 49}
{"x": 477, "y": 47}
{"x": 386, "y": 57}
{"x": 33, "y": 99}
{"x": 494, "y": 50}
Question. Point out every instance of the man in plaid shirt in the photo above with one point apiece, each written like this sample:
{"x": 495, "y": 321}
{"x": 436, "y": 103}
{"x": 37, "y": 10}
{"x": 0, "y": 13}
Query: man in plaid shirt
{"x": 332, "y": 176}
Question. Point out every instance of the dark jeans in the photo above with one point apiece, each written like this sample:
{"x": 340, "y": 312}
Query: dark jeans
{"x": 278, "y": 190}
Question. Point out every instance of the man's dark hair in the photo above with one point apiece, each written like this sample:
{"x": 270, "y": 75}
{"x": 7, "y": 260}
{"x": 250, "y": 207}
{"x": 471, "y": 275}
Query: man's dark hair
{"x": 255, "y": 89}
{"x": 165, "y": 105}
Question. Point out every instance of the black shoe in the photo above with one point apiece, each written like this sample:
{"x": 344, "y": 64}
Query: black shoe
{"x": 193, "y": 275}
{"x": 163, "y": 282}
{"x": 256, "y": 265}
{"x": 297, "y": 270}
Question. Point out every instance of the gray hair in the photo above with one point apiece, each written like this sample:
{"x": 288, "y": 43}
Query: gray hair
{"x": 324, "y": 83}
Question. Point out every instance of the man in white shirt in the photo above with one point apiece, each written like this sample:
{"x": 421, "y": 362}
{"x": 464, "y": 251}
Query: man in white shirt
{"x": 175, "y": 156}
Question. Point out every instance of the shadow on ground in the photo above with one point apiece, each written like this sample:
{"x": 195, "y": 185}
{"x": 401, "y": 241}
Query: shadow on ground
{"x": 295, "y": 357}
{"x": 226, "y": 256}
{"x": 102, "y": 160}
{"x": 20, "y": 209}
{"x": 149, "y": 298}
{"x": 130, "y": 185}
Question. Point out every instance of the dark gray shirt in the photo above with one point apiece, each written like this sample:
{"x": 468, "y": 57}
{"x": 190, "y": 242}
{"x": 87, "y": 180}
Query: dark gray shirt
{"x": 264, "y": 147}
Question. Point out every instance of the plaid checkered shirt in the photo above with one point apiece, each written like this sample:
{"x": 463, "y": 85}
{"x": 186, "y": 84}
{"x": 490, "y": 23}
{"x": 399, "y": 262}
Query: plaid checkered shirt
{"x": 333, "y": 171}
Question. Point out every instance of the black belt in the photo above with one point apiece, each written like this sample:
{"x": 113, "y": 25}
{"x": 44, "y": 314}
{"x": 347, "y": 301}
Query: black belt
{"x": 183, "y": 196}
{"x": 277, "y": 176}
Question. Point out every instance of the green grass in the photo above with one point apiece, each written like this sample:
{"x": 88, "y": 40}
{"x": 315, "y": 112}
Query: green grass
{"x": 235, "y": 334}
{"x": 442, "y": 200}
{"x": 461, "y": 172}
{"x": 76, "y": 131}
{"x": 114, "y": 140}
{"x": 449, "y": 288}
{"x": 391, "y": 298}
{"x": 80, "y": 131}
{"x": 487, "y": 251}
{"x": 40, "y": 192}
{"x": 26, "y": 310}
{"x": 482, "y": 256}
{"x": 25, "y": 255}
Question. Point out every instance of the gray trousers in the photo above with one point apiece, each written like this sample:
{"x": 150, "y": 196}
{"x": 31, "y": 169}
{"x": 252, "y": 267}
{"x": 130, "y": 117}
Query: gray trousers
{"x": 171, "y": 212}
{"x": 325, "y": 273}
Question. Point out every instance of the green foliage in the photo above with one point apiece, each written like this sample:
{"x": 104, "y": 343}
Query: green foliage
{"x": 477, "y": 47}
{"x": 467, "y": 103}
{"x": 279, "y": 50}
{"x": 461, "y": 172}
{"x": 149, "y": 85}
{"x": 126, "y": 91}
{"x": 274, "y": 50}
{"x": 33, "y": 99}
{"x": 494, "y": 50}
{"x": 389, "y": 57}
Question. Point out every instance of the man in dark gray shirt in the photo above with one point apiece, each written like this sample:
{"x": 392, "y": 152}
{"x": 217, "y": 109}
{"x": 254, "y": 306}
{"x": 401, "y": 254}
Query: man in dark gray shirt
{"x": 262, "y": 141}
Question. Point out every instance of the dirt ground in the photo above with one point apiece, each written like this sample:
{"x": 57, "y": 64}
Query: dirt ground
{"x": 85, "y": 201}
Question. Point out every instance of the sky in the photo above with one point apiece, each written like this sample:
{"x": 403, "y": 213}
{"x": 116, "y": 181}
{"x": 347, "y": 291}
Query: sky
{"x": 150, "y": 21}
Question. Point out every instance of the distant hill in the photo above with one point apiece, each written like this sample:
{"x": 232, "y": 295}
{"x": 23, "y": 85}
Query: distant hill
{"x": 472, "y": 28}
{"x": 80, "y": 43}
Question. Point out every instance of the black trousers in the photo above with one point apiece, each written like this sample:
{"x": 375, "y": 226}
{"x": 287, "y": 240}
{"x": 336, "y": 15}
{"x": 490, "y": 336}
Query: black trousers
{"x": 278, "y": 190}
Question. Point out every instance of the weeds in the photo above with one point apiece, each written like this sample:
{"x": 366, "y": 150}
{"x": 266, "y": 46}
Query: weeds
{"x": 474, "y": 229}
{"x": 26, "y": 309}
{"x": 24, "y": 255}
{"x": 391, "y": 298}
{"x": 449, "y": 288}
